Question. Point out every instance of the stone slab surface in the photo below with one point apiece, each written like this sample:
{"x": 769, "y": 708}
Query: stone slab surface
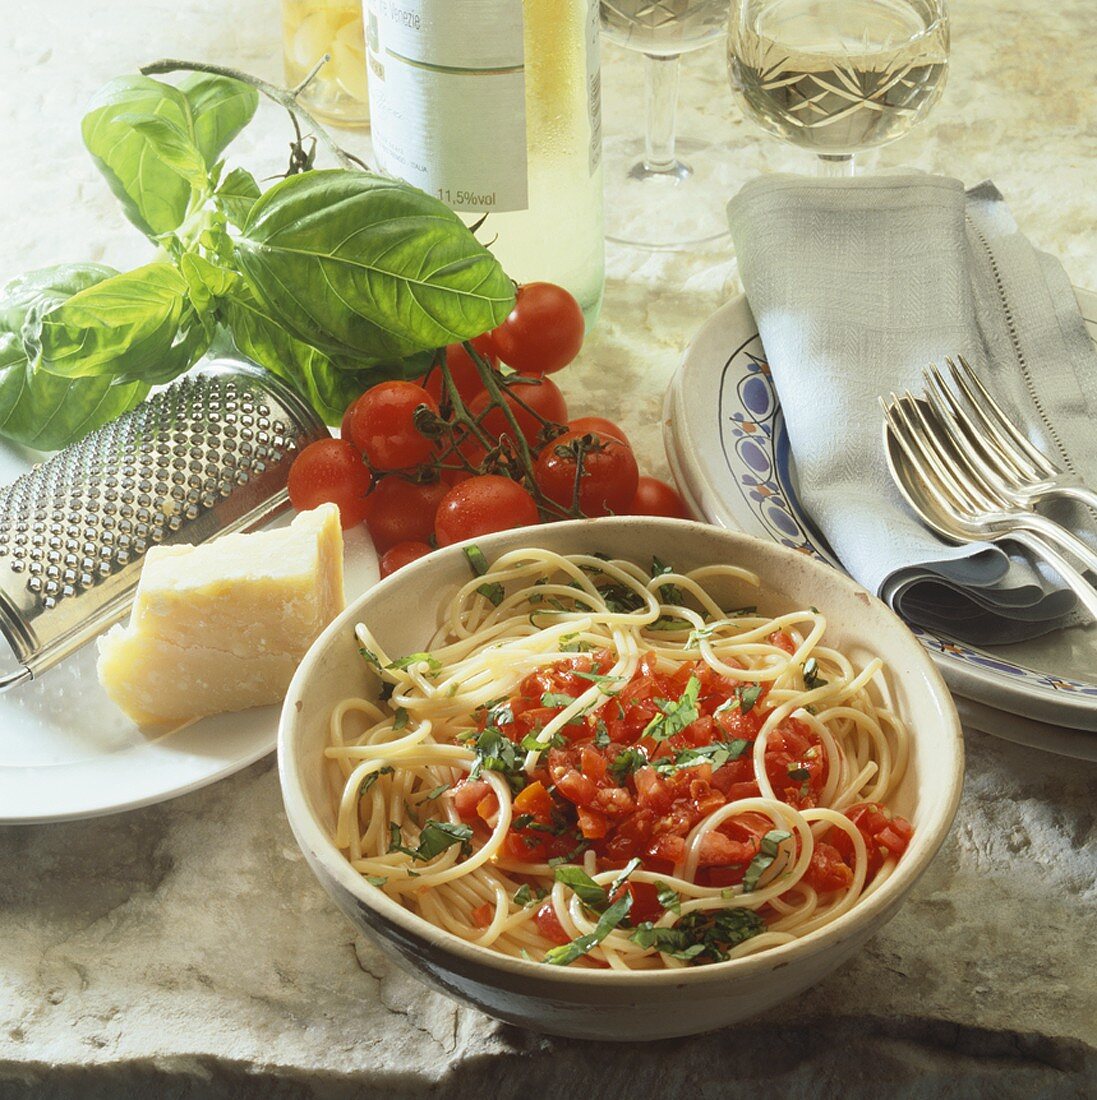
{"x": 184, "y": 950}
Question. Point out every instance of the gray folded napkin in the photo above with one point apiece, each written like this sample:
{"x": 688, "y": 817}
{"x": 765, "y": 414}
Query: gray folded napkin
{"x": 856, "y": 285}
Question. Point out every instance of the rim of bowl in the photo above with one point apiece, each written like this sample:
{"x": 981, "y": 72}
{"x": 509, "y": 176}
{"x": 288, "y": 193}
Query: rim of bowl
{"x": 929, "y": 836}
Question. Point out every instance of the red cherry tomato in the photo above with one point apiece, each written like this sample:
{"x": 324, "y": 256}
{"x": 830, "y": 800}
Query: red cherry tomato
{"x": 399, "y": 510}
{"x": 543, "y": 397}
{"x": 344, "y": 427}
{"x": 330, "y": 471}
{"x": 481, "y": 505}
{"x": 403, "y": 553}
{"x": 382, "y": 425}
{"x": 657, "y": 498}
{"x": 463, "y": 372}
{"x": 609, "y": 474}
{"x": 544, "y": 331}
{"x": 598, "y": 424}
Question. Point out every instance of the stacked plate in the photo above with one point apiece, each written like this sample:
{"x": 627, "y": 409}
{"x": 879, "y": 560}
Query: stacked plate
{"x": 726, "y": 442}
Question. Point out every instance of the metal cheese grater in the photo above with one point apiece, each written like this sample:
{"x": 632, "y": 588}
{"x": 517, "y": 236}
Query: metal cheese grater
{"x": 208, "y": 455}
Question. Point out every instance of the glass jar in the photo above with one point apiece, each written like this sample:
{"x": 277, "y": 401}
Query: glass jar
{"x": 310, "y": 28}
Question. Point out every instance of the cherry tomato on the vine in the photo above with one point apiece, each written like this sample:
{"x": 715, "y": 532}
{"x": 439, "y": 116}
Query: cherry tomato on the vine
{"x": 481, "y": 505}
{"x": 543, "y": 332}
{"x": 382, "y": 425}
{"x": 330, "y": 471}
{"x": 462, "y": 370}
{"x": 544, "y": 397}
{"x": 608, "y": 479}
{"x": 657, "y": 498}
{"x": 399, "y": 510}
{"x": 599, "y": 424}
{"x": 403, "y": 553}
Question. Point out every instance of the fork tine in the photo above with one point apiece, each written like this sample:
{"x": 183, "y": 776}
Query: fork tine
{"x": 1013, "y": 442}
{"x": 898, "y": 423}
{"x": 969, "y": 460}
{"x": 921, "y": 438}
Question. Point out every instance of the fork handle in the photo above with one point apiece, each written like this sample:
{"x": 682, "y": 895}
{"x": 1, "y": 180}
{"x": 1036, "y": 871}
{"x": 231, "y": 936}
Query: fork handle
{"x": 1085, "y": 592}
{"x": 1081, "y": 493}
{"x": 1052, "y": 532}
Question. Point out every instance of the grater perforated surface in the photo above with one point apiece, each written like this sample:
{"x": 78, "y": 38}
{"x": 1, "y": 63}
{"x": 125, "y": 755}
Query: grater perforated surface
{"x": 208, "y": 455}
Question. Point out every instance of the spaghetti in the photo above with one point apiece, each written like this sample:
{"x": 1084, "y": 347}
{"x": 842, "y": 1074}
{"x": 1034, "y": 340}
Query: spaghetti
{"x": 597, "y": 764}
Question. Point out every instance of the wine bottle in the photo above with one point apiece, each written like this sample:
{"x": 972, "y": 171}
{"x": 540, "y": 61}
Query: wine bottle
{"x": 494, "y": 106}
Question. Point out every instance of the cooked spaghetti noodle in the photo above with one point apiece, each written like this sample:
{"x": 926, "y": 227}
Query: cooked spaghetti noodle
{"x": 596, "y": 766}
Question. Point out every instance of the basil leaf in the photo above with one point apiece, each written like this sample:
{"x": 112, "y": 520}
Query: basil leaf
{"x": 372, "y": 778}
{"x": 668, "y": 897}
{"x": 748, "y": 697}
{"x": 585, "y": 888}
{"x": 626, "y": 762}
{"x": 493, "y": 593}
{"x": 433, "y": 664}
{"x": 598, "y": 678}
{"x": 525, "y": 896}
{"x": 435, "y": 838}
{"x": 718, "y": 753}
{"x": 328, "y": 385}
{"x": 172, "y": 145}
{"x": 762, "y": 861}
{"x": 376, "y": 880}
{"x": 577, "y": 948}
{"x": 477, "y": 562}
{"x": 154, "y": 196}
{"x": 39, "y": 409}
{"x": 356, "y": 264}
{"x": 677, "y": 715}
{"x": 399, "y": 720}
{"x": 220, "y": 108}
{"x": 601, "y": 735}
{"x": 556, "y": 699}
{"x": 134, "y": 327}
{"x": 495, "y": 753}
{"x": 812, "y": 679}
{"x": 237, "y": 194}
{"x": 435, "y": 792}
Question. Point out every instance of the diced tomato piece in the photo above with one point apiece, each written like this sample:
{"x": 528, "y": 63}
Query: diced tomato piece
{"x": 576, "y": 788}
{"x": 483, "y": 915}
{"x": 487, "y": 807}
{"x": 827, "y": 870}
{"x": 719, "y": 850}
{"x": 669, "y": 848}
{"x": 592, "y": 824}
{"x": 651, "y": 791}
{"x": 645, "y": 901}
{"x": 534, "y": 799}
{"x": 782, "y": 640}
{"x": 593, "y": 764}
{"x": 468, "y": 795}
{"x": 548, "y": 924}
{"x": 614, "y": 801}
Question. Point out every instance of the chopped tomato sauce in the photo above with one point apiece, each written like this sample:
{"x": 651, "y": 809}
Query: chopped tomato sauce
{"x": 601, "y": 786}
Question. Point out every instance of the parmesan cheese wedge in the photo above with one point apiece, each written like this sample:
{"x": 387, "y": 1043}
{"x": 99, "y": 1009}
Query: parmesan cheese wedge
{"x": 222, "y": 626}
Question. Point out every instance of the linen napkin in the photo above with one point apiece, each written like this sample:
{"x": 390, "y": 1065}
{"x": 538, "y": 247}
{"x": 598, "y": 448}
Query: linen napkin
{"x": 856, "y": 286}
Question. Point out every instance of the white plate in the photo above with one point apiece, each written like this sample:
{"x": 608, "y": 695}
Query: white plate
{"x": 727, "y": 446}
{"x": 67, "y": 752}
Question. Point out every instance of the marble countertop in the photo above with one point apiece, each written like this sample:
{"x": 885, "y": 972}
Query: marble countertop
{"x": 185, "y": 949}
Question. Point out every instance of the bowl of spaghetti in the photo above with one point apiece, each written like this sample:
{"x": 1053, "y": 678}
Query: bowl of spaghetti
{"x": 624, "y": 779}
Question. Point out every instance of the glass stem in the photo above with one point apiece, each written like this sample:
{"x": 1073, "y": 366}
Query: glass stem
{"x": 661, "y": 100}
{"x": 836, "y": 166}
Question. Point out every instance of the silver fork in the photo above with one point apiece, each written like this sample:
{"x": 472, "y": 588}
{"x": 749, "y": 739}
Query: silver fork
{"x": 924, "y": 467}
{"x": 1022, "y": 472}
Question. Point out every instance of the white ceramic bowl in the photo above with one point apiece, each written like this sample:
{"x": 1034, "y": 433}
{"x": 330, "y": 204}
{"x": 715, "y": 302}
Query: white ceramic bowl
{"x": 598, "y": 1004}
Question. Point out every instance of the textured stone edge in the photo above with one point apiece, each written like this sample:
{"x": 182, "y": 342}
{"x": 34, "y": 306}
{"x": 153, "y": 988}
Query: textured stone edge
{"x": 851, "y": 1058}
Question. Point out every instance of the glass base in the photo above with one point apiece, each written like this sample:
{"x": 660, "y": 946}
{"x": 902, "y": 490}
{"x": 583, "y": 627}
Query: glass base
{"x": 668, "y": 211}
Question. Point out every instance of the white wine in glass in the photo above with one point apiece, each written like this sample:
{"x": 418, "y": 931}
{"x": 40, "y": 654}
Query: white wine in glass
{"x": 651, "y": 201}
{"x": 837, "y": 77}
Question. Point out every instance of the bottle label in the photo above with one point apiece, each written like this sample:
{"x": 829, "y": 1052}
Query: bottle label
{"x": 448, "y": 99}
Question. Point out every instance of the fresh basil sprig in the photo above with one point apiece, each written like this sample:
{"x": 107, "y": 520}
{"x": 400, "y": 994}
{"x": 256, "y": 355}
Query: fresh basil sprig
{"x": 333, "y": 280}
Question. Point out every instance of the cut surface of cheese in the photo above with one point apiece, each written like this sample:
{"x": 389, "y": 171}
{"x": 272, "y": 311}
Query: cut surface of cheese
{"x": 222, "y": 626}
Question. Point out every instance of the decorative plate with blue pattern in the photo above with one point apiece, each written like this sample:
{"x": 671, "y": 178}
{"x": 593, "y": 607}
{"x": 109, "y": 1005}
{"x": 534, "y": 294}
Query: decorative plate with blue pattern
{"x": 729, "y": 451}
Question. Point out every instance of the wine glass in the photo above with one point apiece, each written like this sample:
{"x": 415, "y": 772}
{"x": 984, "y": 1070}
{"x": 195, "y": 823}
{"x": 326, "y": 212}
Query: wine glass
{"x": 837, "y": 77}
{"x": 654, "y": 200}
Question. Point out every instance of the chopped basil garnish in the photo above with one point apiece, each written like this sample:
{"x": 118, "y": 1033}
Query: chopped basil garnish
{"x": 556, "y": 699}
{"x": 372, "y": 778}
{"x": 701, "y": 933}
{"x": 812, "y": 679}
{"x": 477, "y": 562}
{"x": 675, "y": 715}
{"x": 399, "y": 720}
{"x": 798, "y": 771}
{"x": 570, "y": 643}
{"x": 577, "y": 948}
{"x": 494, "y": 753}
{"x": 668, "y": 897}
{"x": 370, "y": 657}
{"x": 718, "y": 753}
{"x": 436, "y": 792}
{"x": 601, "y": 735}
{"x": 762, "y": 861}
{"x": 531, "y": 742}
{"x": 492, "y": 592}
{"x": 669, "y": 623}
{"x": 525, "y": 896}
{"x": 598, "y": 678}
{"x": 672, "y": 591}
{"x": 432, "y": 663}
{"x": 626, "y": 762}
{"x": 434, "y": 839}
{"x": 584, "y": 887}
{"x": 376, "y": 880}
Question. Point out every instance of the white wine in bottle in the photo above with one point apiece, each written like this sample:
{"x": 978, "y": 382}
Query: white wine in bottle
{"x": 494, "y": 106}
